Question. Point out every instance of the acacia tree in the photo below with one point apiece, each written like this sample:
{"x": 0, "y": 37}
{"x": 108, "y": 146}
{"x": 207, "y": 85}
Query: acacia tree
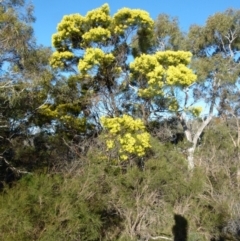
{"x": 95, "y": 51}
{"x": 161, "y": 77}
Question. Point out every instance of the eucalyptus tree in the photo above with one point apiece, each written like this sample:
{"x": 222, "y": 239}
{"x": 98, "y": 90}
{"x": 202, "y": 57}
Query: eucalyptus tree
{"x": 215, "y": 47}
{"x": 25, "y": 78}
{"x": 167, "y": 33}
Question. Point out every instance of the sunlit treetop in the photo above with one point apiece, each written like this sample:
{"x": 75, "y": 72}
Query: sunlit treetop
{"x": 99, "y": 17}
{"x": 78, "y": 35}
{"x": 126, "y": 18}
{"x": 168, "y": 58}
{"x": 224, "y": 27}
{"x": 160, "y": 70}
{"x": 221, "y": 33}
{"x": 58, "y": 57}
{"x": 69, "y": 27}
{"x": 94, "y": 57}
{"x": 75, "y": 30}
{"x": 195, "y": 110}
{"x": 122, "y": 124}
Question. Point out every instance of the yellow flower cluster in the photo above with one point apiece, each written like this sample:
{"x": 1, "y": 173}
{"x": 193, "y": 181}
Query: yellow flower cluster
{"x": 162, "y": 69}
{"x": 99, "y": 17}
{"x": 173, "y": 106}
{"x": 134, "y": 144}
{"x": 127, "y": 134}
{"x": 180, "y": 75}
{"x": 195, "y": 111}
{"x": 59, "y": 58}
{"x": 148, "y": 67}
{"x": 73, "y": 122}
{"x": 70, "y": 23}
{"x": 91, "y": 28}
{"x": 110, "y": 144}
{"x": 144, "y": 64}
{"x": 126, "y": 18}
{"x": 98, "y": 34}
{"x": 76, "y": 32}
{"x": 92, "y": 58}
{"x": 69, "y": 26}
{"x": 168, "y": 58}
{"x": 47, "y": 111}
{"x": 60, "y": 113}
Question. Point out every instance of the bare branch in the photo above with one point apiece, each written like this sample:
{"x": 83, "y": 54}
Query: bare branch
{"x": 160, "y": 237}
{"x": 14, "y": 169}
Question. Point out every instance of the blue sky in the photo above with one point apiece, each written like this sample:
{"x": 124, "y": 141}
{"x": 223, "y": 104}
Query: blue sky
{"x": 50, "y": 13}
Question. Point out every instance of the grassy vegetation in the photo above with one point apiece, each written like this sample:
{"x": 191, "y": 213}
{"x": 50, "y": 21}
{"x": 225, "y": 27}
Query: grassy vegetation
{"x": 99, "y": 200}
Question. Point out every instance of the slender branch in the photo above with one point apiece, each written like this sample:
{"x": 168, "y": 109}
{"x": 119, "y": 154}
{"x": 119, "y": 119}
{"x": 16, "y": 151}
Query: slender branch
{"x": 186, "y": 130}
{"x": 134, "y": 88}
{"x": 223, "y": 45}
{"x": 14, "y": 169}
{"x": 45, "y": 102}
{"x": 200, "y": 130}
{"x": 5, "y": 126}
{"x": 160, "y": 237}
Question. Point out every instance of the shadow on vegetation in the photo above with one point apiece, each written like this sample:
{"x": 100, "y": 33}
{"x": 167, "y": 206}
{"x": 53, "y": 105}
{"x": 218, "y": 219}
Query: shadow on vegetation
{"x": 180, "y": 229}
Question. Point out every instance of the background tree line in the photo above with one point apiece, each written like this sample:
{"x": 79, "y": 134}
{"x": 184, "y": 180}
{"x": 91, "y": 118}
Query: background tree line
{"x": 128, "y": 122}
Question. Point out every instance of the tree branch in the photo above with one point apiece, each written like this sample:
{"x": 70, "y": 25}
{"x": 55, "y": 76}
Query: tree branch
{"x": 160, "y": 237}
{"x": 12, "y": 168}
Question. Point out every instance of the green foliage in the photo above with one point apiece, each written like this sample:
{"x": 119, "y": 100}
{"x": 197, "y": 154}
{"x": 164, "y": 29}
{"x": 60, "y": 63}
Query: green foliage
{"x": 24, "y": 86}
{"x": 217, "y": 31}
{"x": 67, "y": 114}
{"x": 167, "y": 33}
{"x": 16, "y": 31}
{"x": 59, "y": 211}
{"x": 100, "y": 200}
{"x": 215, "y": 60}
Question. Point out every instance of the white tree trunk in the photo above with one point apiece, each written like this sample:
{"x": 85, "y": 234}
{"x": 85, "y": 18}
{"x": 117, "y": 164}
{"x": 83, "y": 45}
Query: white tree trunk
{"x": 190, "y": 158}
{"x": 193, "y": 138}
